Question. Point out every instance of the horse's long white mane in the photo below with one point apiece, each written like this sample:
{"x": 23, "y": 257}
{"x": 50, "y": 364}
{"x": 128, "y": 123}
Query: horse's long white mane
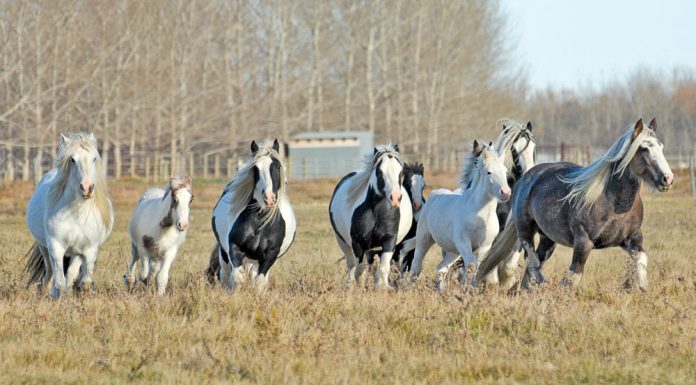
{"x": 73, "y": 142}
{"x": 360, "y": 180}
{"x": 473, "y": 165}
{"x": 241, "y": 186}
{"x": 588, "y": 183}
{"x": 507, "y": 139}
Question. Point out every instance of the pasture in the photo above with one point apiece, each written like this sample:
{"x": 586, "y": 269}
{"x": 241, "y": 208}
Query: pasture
{"x": 309, "y": 328}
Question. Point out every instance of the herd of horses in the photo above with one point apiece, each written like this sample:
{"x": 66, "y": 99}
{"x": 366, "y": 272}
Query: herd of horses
{"x": 502, "y": 203}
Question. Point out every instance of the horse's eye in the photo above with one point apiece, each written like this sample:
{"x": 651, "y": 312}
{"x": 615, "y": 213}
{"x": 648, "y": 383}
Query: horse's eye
{"x": 94, "y": 159}
{"x": 489, "y": 173}
{"x": 72, "y": 160}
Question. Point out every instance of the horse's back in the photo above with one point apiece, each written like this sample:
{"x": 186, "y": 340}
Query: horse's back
{"x": 36, "y": 209}
{"x": 339, "y": 210}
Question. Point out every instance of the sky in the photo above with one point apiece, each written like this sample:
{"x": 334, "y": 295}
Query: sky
{"x": 568, "y": 44}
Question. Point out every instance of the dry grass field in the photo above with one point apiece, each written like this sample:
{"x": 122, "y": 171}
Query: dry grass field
{"x": 310, "y": 328}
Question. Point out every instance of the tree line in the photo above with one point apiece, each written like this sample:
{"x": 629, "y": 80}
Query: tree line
{"x": 183, "y": 80}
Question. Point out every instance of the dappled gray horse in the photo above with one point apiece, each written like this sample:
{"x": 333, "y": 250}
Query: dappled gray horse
{"x": 585, "y": 208}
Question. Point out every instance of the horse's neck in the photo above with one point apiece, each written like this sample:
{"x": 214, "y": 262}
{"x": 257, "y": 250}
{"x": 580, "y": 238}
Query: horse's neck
{"x": 164, "y": 205}
{"x": 479, "y": 198}
{"x": 622, "y": 190}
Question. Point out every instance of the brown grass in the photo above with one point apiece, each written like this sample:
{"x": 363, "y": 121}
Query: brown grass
{"x": 310, "y": 329}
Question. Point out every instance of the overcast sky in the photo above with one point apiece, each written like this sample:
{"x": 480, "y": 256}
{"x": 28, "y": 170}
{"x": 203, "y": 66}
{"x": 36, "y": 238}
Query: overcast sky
{"x": 571, "y": 43}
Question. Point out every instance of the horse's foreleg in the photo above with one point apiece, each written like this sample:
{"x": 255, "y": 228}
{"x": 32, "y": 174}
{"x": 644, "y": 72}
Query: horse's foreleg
{"x": 465, "y": 250}
{"x": 424, "y": 241}
{"x": 73, "y": 271}
{"x": 448, "y": 258}
{"x": 634, "y": 247}
{"x": 144, "y": 266}
{"x": 56, "y": 253}
{"x": 163, "y": 275}
{"x": 506, "y": 272}
{"x": 261, "y": 280}
{"x": 359, "y": 255}
{"x": 88, "y": 262}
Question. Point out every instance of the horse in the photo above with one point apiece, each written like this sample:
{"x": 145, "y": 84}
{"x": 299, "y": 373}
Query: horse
{"x": 369, "y": 211}
{"x": 253, "y": 220}
{"x": 414, "y": 184}
{"x": 157, "y": 229}
{"x": 586, "y": 208}
{"x": 69, "y": 216}
{"x": 516, "y": 145}
{"x": 463, "y": 222}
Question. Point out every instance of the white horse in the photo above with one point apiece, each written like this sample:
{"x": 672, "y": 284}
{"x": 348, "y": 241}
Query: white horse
{"x": 157, "y": 229}
{"x": 463, "y": 223}
{"x": 253, "y": 220}
{"x": 370, "y": 210}
{"x": 69, "y": 215}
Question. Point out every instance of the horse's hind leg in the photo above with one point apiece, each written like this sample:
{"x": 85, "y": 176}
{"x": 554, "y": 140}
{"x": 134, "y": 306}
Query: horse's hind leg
{"x": 129, "y": 277}
{"x": 506, "y": 272}
{"x": 581, "y": 250}
{"x": 48, "y": 273}
{"x": 351, "y": 261}
{"x": 543, "y": 252}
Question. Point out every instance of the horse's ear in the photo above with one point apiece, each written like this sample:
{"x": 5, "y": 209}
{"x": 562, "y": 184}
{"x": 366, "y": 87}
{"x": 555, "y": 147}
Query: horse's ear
{"x": 637, "y": 129}
{"x": 529, "y": 126}
{"x": 63, "y": 139}
{"x": 477, "y": 148}
{"x": 254, "y": 147}
{"x": 653, "y": 124}
{"x": 504, "y": 127}
{"x": 276, "y": 145}
{"x": 188, "y": 179}
{"x": 396, "y": 148}
{"x": 490, "y": 144}
{"x": 375, "y": 152}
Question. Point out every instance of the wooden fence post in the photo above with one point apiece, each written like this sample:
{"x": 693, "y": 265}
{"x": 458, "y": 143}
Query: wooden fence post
{"x": 692, "y": 177}
{"x": 165, "y": 169}
{"x": 217, "y": 166}
{"x": 191, "y": 165}
{"x": 230, "y": 168}
{"x": 147, "y": 168}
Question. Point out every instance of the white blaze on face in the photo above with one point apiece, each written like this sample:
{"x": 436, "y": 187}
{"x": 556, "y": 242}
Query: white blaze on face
{"x": 417, "y": 186}
{"x": 183, "y": 198}
{"x": 264, "y": 188}
{"x": 85, "y": 171}
{"x": 391, "y": 171}
{"x": 525, "y": 151}
{"x": 657, "y": 157}
{"x": 497, "y": 175}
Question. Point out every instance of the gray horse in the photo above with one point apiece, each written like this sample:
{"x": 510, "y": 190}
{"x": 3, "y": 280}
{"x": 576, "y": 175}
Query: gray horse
{"x": 585, "y": 208}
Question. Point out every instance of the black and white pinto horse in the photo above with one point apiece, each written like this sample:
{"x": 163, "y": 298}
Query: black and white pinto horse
{"x": 370, "y": 211}
{"x": 586, "y": 208}
{"x": 253, "y": 220}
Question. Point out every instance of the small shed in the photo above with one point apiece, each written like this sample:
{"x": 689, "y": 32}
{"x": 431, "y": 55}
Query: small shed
{"x": 327, "y": 154}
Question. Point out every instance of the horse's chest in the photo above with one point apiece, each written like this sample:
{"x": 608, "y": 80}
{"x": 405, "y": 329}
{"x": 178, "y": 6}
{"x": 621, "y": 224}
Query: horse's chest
{"x": 77, "y": 230}
{"x": 373, "y": 221}
{"x": 612, "y": 230}
{"x": 256, "y": 240}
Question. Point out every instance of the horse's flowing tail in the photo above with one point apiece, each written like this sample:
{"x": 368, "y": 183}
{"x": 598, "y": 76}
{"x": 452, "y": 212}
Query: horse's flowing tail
{"x": 34, "y": 265}
{"x": 503, "y": 246}
{"x": 213, "y": 270}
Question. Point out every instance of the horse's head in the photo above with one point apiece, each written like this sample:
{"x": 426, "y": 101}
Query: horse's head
{"x": 522, "y": 150}
{"x": 388, "y": 173}
{"x": 414, "y": 183}
{"x": 78, "y": 158}
{"x": 493, "y": 170}
{"x": 267, "y": 174}
{"x": 182, "y": 196}
{"x": 649, "y": 161}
